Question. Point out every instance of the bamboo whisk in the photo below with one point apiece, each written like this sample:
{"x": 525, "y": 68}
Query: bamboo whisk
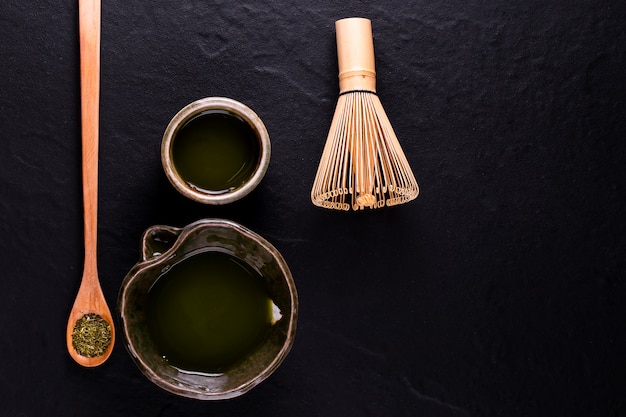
{"x": 362, "y": 165}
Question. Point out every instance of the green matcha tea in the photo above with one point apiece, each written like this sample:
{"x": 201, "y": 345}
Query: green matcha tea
{"x": 208, "y": 312}
{"x": 215, "y": 152}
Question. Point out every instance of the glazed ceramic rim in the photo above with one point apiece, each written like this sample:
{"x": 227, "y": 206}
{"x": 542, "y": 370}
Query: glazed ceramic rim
{"x": 195, "y": 108}
{"x": 183, "y": 233}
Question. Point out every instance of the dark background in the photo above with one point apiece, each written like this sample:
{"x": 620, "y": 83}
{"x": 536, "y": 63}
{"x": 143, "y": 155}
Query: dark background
{"x": 500, "y": 291}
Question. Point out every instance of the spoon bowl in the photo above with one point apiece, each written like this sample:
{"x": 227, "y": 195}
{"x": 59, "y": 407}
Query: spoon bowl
{"x": 90, "y": 300}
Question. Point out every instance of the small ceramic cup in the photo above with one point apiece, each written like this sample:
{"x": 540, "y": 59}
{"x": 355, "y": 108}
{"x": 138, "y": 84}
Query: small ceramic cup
{"x": 163, "y": 247}
{"x": 229, "y": 108}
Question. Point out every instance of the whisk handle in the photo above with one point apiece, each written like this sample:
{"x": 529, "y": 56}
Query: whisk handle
{"x": 355, "y": 54}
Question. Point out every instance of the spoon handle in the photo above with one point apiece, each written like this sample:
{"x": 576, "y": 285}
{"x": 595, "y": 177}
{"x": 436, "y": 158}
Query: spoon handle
{"x": 89, "y": 12}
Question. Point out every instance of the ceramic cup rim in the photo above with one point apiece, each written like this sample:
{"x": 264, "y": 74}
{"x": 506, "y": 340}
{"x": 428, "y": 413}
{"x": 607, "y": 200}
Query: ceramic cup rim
{"x": 155, "y": 262}
{"x": 206, "y": 104}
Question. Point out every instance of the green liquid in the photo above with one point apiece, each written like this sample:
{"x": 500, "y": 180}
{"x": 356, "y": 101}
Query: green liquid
{"x": 215, "y": 152}
{"x": 208, "y": 312}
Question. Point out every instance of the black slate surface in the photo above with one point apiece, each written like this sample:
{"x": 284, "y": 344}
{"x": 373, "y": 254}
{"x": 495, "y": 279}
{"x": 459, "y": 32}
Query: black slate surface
{"x": 500, "y": 291}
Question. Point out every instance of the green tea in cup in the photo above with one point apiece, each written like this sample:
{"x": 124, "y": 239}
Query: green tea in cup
{"x": 208, "y": 312}
{"x": 215, "y": 150}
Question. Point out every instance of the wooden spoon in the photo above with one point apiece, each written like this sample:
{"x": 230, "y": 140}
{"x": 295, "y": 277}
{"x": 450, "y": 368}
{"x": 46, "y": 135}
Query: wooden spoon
{"x": 90, "y": 298}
